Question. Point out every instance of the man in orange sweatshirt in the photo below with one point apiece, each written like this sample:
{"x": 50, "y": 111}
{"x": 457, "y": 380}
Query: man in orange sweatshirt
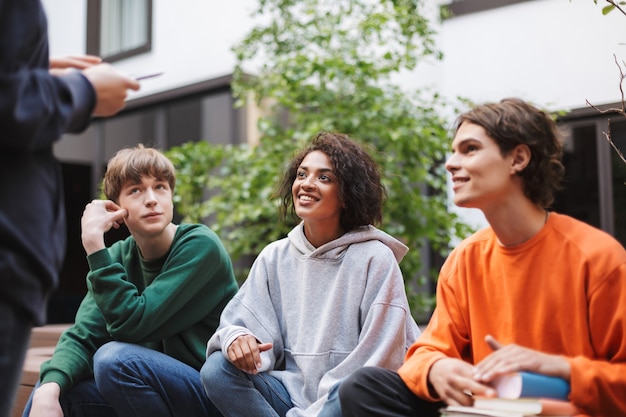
{"x": 536, "y": 291}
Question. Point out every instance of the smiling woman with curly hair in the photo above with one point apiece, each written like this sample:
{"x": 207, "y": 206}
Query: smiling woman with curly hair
{"x": 322, "y": 302}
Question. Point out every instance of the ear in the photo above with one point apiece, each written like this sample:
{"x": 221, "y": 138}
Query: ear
{"x": 520, "y": 158}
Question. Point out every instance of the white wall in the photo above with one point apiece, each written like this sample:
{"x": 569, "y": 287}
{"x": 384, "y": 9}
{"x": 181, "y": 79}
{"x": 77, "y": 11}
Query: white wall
{"x": 555, "y": 53}
{"x": 192, "y": 39}
{"x": 66, "y": 26}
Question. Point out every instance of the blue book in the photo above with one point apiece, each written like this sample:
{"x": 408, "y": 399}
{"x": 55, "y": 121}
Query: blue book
{"x": 528, "y": 384}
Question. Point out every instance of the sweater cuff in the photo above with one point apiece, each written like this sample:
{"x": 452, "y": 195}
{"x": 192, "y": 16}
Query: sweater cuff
{"x": 414, "y": 373}
{"x": 99, "y": 259}
{"x": 579, "y": 391}
{"x": 58, "y": 377}
{"x": 83, "y": 100}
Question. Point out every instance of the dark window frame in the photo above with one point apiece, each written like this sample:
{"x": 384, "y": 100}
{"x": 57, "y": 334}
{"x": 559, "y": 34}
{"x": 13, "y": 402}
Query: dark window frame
{"x": 600, "y": 118}
{"x": 463, "y": 7}
{"x": 94, "y": 25}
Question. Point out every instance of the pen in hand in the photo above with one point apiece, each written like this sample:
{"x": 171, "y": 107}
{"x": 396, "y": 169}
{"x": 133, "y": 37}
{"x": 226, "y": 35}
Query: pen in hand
{"x": 147, "y": 76}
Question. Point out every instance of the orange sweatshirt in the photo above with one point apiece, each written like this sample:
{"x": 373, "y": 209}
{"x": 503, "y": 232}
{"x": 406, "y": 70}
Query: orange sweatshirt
{"x": 561, "y": 292}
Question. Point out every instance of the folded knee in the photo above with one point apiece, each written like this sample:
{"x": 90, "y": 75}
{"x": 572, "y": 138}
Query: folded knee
{"x": 109, "y": 356}
{"x": 213, "y": 368}
{"x": 352, "y": 385}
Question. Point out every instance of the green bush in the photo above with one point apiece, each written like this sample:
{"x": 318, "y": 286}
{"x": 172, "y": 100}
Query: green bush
{"x": 331, "y": 66}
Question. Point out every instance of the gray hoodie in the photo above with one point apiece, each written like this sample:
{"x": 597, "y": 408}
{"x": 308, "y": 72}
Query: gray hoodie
{"x": 328, "y": 311}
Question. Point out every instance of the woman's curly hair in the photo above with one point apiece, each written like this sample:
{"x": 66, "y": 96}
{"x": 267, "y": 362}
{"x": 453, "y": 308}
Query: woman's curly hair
{"x": 358, "y": 175}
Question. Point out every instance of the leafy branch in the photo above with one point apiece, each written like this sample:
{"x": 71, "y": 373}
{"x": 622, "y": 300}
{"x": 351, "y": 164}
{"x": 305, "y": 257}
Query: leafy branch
{"x": 331, "y": 65}
{"x": 615, "y": 110}
{"x": 613, "y": 5}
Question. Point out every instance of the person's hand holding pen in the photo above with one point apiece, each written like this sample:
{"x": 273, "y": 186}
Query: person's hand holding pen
{"x": 111, "y": 86}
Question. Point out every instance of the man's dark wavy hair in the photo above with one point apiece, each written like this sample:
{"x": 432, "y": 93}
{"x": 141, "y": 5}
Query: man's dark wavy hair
{"x": 513, "y": 122}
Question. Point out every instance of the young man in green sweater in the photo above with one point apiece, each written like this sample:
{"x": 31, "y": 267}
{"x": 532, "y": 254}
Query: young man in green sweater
{"x": 153, "y": 300}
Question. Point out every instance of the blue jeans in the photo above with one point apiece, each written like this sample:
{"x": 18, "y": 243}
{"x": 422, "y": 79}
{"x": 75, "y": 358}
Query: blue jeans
{"x": 332, "y": 406}
{"x": 236, "y": 393}
{"x": 84, "y": 400}
{"x": 131, "y": 380}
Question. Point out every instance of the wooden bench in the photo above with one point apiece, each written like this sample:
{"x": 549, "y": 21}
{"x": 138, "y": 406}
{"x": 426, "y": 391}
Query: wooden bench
{"x": 42, "y": 343}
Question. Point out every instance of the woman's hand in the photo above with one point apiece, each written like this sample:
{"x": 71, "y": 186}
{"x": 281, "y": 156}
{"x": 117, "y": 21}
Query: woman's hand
{"x": 245, "y": 353}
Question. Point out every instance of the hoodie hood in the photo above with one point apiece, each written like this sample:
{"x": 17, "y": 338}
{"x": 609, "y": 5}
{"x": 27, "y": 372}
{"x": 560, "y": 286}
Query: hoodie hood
{"x": 335, "y": 249}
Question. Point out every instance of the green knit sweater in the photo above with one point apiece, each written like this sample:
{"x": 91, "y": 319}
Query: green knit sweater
{"x": 172, "y": 304}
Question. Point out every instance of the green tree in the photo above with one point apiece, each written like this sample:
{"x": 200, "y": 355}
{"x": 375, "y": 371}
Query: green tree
{"x": 333, "y": 66}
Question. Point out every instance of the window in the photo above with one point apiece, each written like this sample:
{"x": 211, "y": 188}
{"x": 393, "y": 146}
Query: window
{"x": 594, "y": 188}
{"x": 618, "y": 182}
{"x": 118, "y": 29}
{"x": 580, "y": 197}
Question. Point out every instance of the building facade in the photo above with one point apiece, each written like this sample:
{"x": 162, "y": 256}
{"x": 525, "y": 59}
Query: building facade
{"x": 559, "y": 54}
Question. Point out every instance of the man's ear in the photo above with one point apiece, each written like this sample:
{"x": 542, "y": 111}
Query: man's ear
{"x": 520, "y": 158}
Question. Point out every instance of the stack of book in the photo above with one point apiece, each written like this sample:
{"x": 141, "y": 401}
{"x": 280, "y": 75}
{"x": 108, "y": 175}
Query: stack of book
{"x": 521, "y": 394}
{"x": 520, "y": 407}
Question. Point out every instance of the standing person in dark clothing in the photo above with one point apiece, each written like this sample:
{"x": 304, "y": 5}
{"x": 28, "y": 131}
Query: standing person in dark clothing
{"x": 39, "y": 101}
